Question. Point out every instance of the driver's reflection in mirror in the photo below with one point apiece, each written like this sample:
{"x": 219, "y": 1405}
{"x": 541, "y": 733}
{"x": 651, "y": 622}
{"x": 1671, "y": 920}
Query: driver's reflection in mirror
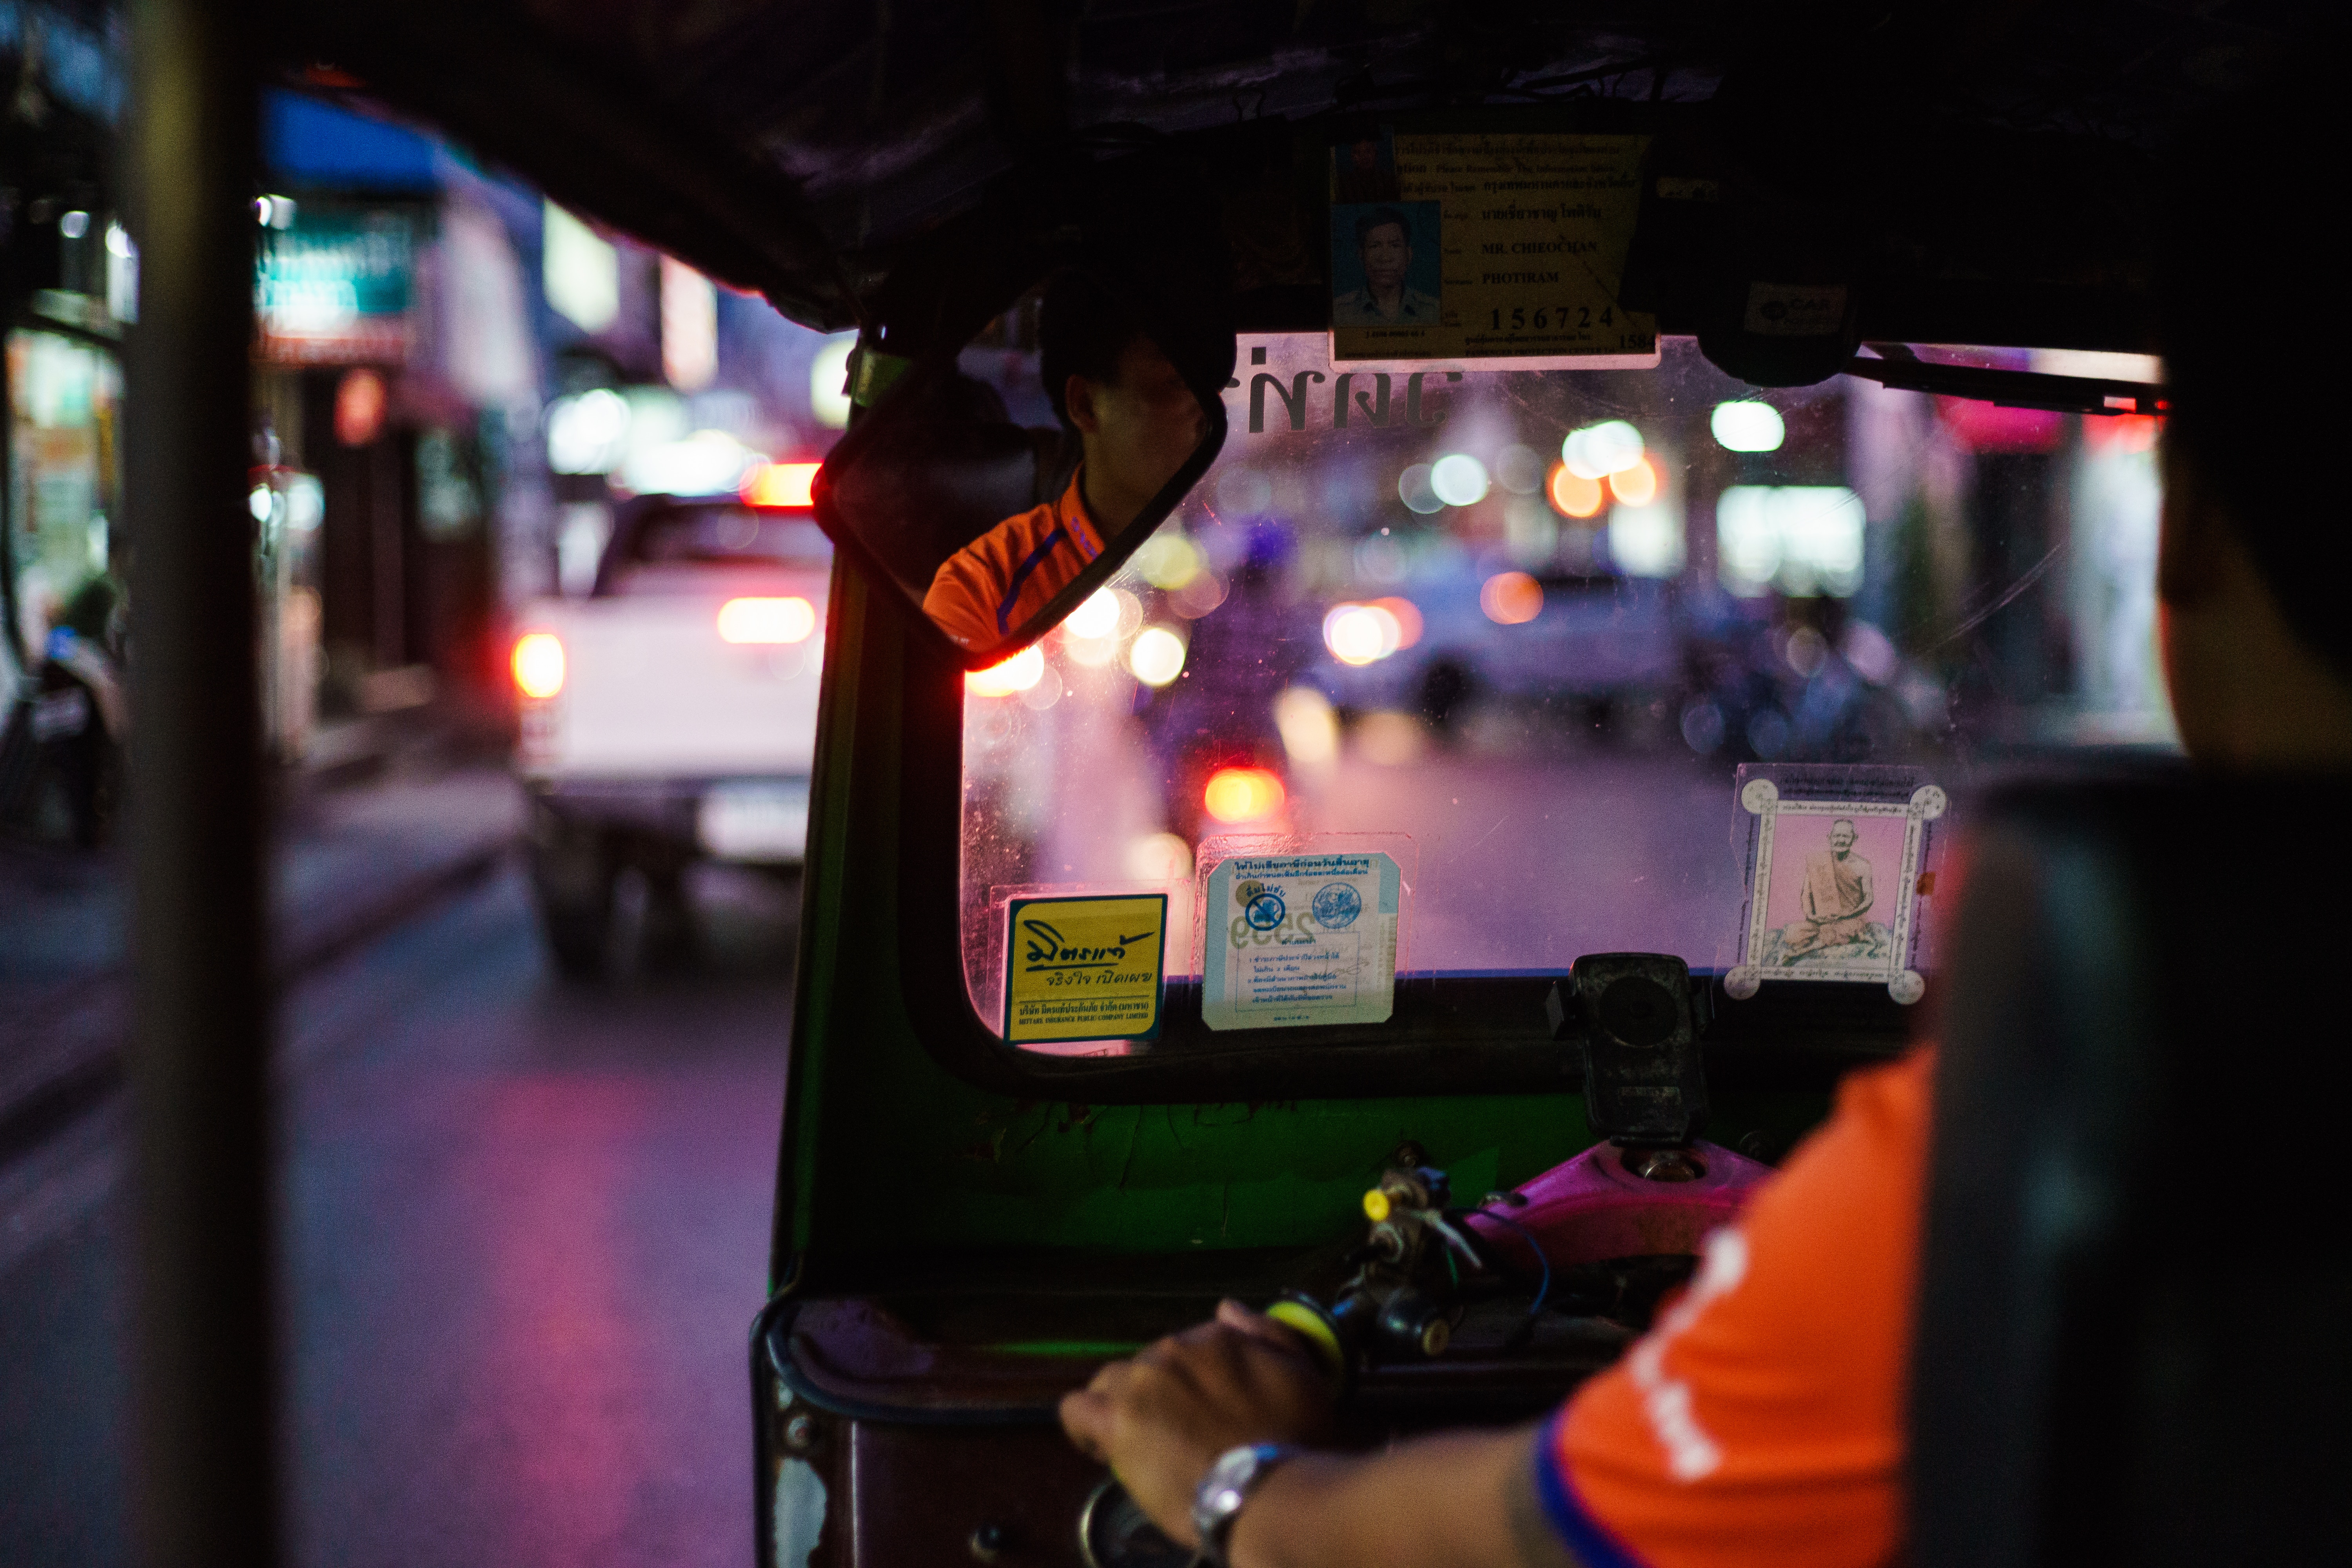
{"x": 1136, "y": 422}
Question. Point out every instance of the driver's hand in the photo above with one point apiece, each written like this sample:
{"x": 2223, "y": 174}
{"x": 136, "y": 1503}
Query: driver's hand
{"x": 1161, "y": 1420}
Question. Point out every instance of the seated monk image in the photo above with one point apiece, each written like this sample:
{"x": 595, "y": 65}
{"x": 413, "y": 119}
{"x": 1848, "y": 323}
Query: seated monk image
{"x": 1837, "y": 897}
{"x": 1136, "y": 421}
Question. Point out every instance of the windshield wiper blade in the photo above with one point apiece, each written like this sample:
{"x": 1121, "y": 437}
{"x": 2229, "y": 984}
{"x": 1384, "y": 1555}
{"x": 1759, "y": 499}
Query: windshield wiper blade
{"x": 2012, "y": 388}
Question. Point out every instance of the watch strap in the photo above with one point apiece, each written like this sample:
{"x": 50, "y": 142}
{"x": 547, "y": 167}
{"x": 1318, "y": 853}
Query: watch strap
{"x": 1230, "y": 1481}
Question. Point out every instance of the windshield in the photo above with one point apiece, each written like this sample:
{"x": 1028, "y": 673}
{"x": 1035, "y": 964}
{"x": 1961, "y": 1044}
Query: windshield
{"x": 1531, "y": 625}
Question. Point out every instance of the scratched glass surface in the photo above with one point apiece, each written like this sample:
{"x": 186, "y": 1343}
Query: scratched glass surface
{"x": 1538, "y": 620}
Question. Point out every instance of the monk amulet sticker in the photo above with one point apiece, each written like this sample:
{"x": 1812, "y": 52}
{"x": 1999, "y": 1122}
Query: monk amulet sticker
{"x": 1838, "y": 863}
{"x": 1087, "y": 968}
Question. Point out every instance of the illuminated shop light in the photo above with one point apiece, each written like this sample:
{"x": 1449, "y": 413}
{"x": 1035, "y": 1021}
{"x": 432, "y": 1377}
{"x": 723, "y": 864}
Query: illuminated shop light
{"x": 707, "y": 463}
{"x": 1747, "y": 426}
{"x": 689, "y": 327}
{"x": 766, "y": 620}
{"x": 539, "y": 665}
{"x": 1242, "y": 795}
{"x": 1801, "y": 539}
{"x": 1599, "y": 451}
{"x": 1018, "y": 673}
{"x": 588, "y": 432}
{"x": 579, "y": 271}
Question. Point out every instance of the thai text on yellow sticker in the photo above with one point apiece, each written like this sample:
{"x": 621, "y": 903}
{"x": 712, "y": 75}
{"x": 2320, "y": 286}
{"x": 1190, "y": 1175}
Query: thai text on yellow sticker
{"x": 1085, "y": 968}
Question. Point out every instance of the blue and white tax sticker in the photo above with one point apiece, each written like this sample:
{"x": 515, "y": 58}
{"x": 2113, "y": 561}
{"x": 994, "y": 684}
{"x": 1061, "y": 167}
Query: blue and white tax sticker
{"x": 1292, "y": 940}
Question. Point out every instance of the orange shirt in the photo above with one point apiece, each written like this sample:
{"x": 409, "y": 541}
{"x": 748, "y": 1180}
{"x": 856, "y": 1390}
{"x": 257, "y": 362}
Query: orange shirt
{"x": 990, "y": 588}
{"x": 1761, "y": 1421}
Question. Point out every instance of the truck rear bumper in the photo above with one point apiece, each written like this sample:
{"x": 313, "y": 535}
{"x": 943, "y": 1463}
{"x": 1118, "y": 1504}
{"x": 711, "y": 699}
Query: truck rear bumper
{"x": 755, "y": 821}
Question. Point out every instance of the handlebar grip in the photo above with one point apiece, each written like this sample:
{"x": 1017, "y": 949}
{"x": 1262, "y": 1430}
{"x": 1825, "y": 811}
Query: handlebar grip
{"x": 1315, "y": 1326}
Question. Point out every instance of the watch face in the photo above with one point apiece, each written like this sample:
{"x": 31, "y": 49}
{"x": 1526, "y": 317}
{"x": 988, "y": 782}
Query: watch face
{"x": 1113, "y": 1533}
{"x": 1223, "y": 1490}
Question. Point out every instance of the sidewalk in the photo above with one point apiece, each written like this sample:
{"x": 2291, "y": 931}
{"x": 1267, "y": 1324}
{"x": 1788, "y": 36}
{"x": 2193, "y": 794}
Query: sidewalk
{"x": 349, "y": 862}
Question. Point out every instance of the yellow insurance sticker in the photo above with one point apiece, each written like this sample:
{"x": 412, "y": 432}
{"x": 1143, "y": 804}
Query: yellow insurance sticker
{"x": 1085, "y": 968}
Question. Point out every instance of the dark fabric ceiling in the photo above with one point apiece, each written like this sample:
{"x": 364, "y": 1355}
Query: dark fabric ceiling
{"x": 804, "y": 149}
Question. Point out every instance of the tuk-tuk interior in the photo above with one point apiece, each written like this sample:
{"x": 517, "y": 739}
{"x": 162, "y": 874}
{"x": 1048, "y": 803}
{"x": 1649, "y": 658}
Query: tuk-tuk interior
{"x": 1533, "y": 641}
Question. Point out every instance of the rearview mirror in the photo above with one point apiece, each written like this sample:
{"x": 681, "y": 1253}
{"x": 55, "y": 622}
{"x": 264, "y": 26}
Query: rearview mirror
{"x": 998, "y": 485}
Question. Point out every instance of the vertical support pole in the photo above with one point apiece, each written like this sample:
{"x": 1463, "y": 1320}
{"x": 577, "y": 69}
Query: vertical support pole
{"x": 204, "y": 1377}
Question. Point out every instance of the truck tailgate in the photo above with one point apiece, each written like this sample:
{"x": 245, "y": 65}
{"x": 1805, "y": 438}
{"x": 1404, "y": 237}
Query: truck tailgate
{"x": 652, "y": 691}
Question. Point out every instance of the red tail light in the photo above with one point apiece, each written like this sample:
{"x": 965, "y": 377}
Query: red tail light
{"x": 539, "y": 665}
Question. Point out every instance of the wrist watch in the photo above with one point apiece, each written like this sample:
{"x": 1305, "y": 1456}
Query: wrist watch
{"x": 1217, "y": 1501}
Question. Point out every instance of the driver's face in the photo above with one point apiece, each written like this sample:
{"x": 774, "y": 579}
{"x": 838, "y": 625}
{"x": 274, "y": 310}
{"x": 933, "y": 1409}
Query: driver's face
{"x": 1141, "y": 426}
{"x": 1387, "y": 254}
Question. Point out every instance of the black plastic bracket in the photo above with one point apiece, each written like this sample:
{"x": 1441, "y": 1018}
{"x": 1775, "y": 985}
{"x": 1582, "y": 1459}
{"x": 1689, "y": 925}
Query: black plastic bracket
{"x": 1639, "y": 1023}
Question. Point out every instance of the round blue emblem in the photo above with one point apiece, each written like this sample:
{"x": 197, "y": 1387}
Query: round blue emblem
{"x": 1265, "y": 911}
{"x": 1337, "y": 905}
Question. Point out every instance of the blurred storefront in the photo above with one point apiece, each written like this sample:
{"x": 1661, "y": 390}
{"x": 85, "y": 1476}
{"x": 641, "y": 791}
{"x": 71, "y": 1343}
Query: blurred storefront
{"x": 69, "y": 285}
{"x": 395, "y": 357}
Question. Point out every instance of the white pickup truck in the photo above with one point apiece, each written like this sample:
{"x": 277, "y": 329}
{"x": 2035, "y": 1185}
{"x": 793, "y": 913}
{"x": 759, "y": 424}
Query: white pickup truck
{"x": 670, "y": 716}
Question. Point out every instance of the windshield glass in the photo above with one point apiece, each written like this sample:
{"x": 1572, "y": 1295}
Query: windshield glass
{"x": 1534, "y": 622}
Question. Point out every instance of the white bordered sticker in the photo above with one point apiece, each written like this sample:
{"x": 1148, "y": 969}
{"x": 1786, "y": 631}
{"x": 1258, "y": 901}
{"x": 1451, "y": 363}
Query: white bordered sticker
{"x": 1838, "y": 859}
{"x": 1290, "y": 941}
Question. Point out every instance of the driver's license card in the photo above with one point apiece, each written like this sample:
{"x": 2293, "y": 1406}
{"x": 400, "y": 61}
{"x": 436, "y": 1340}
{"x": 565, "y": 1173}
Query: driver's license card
{"x": 1295, "y": 939}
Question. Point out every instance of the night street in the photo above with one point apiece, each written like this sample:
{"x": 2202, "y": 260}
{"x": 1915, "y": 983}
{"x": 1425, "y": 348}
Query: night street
{"x": 526, "y": 1231}
{"x": 527, "y": 1222}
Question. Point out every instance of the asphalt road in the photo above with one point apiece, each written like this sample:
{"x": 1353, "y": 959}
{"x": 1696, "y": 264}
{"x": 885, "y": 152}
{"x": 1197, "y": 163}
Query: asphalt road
{"x": 525, "y": 1225}
{"x": 525, "y": 1232}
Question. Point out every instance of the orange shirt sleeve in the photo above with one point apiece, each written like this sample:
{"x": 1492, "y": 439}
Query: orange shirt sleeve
{"x": 992, "y": 586}
{"x": 1761, "y": 1421}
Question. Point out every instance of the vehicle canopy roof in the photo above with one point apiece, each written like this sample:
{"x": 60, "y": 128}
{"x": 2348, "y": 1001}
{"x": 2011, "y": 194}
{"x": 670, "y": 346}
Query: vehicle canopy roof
{"x": 1980, "y": 167}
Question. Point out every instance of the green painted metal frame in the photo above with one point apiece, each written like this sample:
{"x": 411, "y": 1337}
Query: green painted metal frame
{"x": 896, "y": 1170}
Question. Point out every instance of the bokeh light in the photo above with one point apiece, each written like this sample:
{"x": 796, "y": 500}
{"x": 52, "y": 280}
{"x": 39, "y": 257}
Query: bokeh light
{"x": 1414, "y": 489}
{"x": 1362, "y": 634}
{"x": 1408, "y": 618}
{"x": 1242, "y": 795}
{"x": 1309, "y": 726}
{"x": 1018, "y": 673}
{"x": 788, "y": 485}
{"x": 1597, "y": 451}
{"x": 539, "y": 665}
{"x": 766, "y": 620}
{"x": 1636, "y": 485}
{"x": 1168, "y": 560}
{"x": 1458, "y": 479}
{"x": 1511, "y": 598}
{"x": 1097, "y": 618}
{"x": 1158, "y": 655}
{"x": 1573, "y": 495}
{"x": 1747, "y": 426}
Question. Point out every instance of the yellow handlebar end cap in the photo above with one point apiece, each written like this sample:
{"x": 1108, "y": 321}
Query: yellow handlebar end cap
{"x": 1310, "y": 1326}
{"x": 1376, "y": 1206}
